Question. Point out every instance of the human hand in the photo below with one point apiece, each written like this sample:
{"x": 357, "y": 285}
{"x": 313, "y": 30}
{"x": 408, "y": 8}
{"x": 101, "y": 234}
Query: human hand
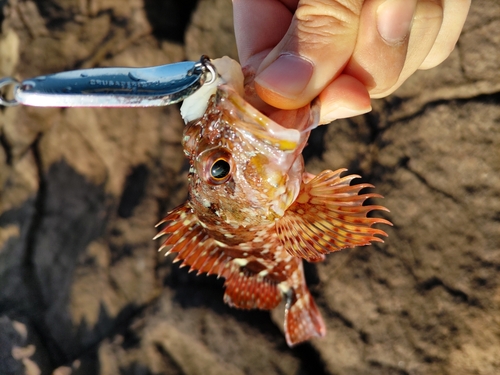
{"x": 342, "y": 51}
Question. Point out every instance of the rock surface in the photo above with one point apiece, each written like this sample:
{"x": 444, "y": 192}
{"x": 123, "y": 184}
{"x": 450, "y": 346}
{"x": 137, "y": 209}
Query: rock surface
{"x": 84, "y": 291}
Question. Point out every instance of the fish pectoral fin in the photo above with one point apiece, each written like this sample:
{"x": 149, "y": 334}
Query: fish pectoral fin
{"x": 328, "y": 215}
{"x": 303, "y": 319}
{"x": 250, "y": 291}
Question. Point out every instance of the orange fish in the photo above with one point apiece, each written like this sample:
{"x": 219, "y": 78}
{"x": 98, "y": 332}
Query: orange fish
{"x": 253, "y": 213}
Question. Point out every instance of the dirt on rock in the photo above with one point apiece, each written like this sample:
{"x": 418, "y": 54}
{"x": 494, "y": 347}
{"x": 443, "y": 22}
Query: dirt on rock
{"x": 83, "y": 289}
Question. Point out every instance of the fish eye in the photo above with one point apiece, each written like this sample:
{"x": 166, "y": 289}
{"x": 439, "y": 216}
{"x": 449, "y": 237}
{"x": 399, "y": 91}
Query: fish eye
{"x": 217, "y": 166}
{"x": 220, "y": 169}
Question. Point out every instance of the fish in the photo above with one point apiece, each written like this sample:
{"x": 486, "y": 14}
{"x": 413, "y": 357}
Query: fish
{"x": 254, "y": 214}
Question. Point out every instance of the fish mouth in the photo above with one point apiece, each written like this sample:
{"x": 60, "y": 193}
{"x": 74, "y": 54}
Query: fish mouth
{"x": 235, "y": 94}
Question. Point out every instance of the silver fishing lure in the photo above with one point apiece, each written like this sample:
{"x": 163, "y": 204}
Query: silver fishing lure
{"x": 112, "y": 87}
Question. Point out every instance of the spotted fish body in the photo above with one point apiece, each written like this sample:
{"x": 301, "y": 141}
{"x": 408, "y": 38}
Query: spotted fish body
{"x": 253, "y": 213}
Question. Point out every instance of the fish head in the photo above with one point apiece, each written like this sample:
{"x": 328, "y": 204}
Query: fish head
{"x": 245, "y": 168}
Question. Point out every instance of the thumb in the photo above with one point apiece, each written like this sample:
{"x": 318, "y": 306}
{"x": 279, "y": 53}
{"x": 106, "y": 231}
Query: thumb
{"x": 313, "y": 52}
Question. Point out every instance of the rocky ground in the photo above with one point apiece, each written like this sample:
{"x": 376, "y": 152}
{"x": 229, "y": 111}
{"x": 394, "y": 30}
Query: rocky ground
{"x": 84, "y": 291}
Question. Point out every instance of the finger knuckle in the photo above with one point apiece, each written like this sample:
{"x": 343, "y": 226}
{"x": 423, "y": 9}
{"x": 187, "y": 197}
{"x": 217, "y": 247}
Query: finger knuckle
{"x": 325, "y": 19}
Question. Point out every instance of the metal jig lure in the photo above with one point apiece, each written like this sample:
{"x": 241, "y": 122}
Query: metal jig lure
{"x": 112, "y": 87}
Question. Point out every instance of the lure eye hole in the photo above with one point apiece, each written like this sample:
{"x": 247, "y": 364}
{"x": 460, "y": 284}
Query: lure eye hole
{"x": 217, "y": 166}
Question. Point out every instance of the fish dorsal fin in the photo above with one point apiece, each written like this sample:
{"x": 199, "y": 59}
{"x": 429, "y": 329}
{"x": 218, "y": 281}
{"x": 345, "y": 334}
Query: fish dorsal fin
{"x": 244, "y": 288}
{"x": 247, "y": 290}
{"x": 328, "y": 215}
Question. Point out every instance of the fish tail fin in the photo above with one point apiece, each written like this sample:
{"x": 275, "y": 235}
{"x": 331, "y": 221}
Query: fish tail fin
{"x": 302, "y": 319}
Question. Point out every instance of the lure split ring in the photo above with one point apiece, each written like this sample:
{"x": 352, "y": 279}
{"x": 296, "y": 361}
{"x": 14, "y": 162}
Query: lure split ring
{"x": 4, "y": 82}
{"x": 206, "y": 66}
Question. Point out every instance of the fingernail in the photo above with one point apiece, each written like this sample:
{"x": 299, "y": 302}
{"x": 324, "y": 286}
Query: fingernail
{"x": 342, "y": 112}
{"x": 288, "y": 75}
{"x": 394, "y": 18}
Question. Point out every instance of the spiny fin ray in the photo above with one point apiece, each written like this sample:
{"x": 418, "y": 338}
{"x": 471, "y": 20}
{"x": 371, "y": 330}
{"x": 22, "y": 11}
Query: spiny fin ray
{"x": 200, "y": 252}
{"x": 328, "y": 215}
{"x": 193, "y": 247}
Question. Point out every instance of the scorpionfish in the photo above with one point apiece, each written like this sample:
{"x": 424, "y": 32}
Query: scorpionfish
{"x": 253, "y": 213}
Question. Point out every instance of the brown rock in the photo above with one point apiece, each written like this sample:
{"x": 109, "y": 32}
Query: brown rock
{"x": 81, "y": 191}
